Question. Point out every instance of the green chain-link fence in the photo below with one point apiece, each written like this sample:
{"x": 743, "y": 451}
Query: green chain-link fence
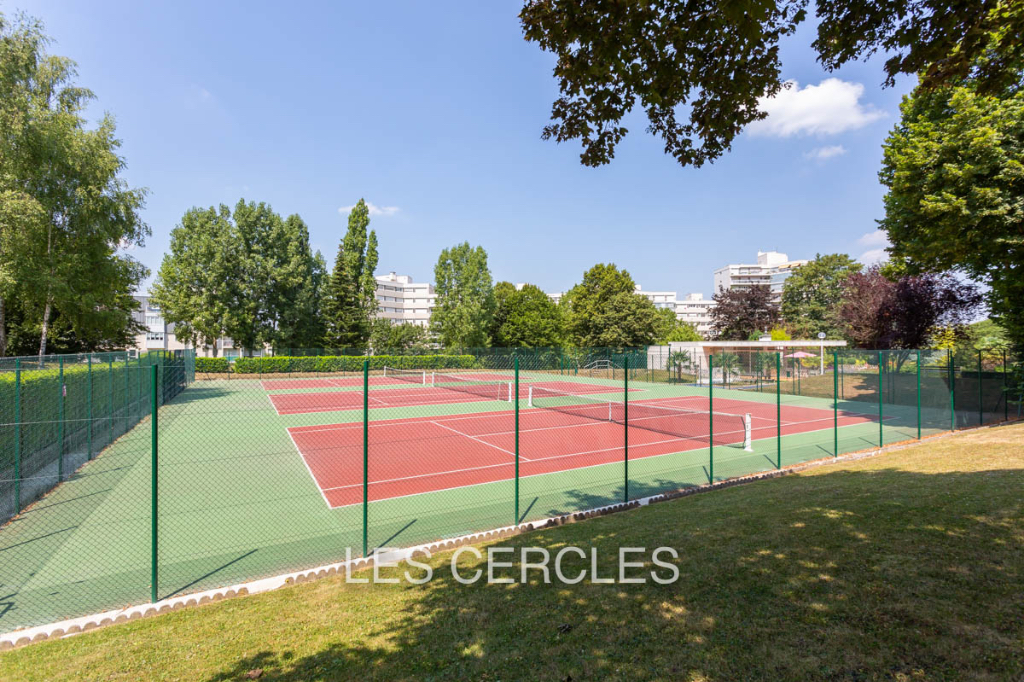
{"x": 270, "y": 464}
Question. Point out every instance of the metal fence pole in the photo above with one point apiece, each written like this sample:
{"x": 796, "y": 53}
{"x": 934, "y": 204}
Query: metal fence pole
{"x": 880, "y": 439}
{"x": 17, "y": 436}
{"x": 1006, "y": 392}
{"x": 625, "y": 428}
{"x": 952, "y": 390}
{"x": 981, "y": 395}
{"x": 778, "y": 410}
{"x": 60, "y": 423}
{"x": 516, "y": 367}
{"x": 835, "y": 401}
{"x": 127, "y": 392}
{"x": 919, "y": 395}
{"x": 154, "y": 506}
{"x": 711, "y": 418}
{"x": 366, "y": 454}
{"x": 89, "y": 400}
{"x": 110, "y": 396}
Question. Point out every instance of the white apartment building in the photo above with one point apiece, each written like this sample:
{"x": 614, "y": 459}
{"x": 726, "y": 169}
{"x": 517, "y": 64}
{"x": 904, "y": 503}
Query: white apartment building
{"x": 694, "y": 309}
{"x": 159, "y": 334}
{"x": 771, "y": 270}
{"x": 400, "y": 299}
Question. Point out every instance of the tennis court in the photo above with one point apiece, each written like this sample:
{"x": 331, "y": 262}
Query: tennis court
{"x": 404, "y": 390}
{"x": 430, "y": 454}
{"x": 258, "y": 475}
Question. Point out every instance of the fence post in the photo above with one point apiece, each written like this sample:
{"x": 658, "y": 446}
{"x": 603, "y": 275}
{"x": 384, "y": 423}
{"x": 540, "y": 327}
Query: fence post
{"x": 880, "y": 440}
{"x": 110, "y": 396}
{"x": 981, "y": 395}
{"x": 778, "y": 410}
{"x": 711, "y": 418}
{"x": 153, "y": 459}
{"x": 835, "y": 401}
{"x": 952, "y": 390}
{"x": 1006, "y": 392}
{"x": 516, "y": 367}
{"x": 625, "y": 427}
{"x": 127, "y": 392}
{"x": 366, "y": 454}
{"x": 89, "y": 400}
{"x": 60, "y": 423}
{"x": 17, "y": 436}
{"x": 919, "y": 395}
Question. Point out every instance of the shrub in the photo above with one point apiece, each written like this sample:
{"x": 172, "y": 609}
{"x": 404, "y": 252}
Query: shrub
{"x": 212, "y": 365}
{"x": 282, "y": 364}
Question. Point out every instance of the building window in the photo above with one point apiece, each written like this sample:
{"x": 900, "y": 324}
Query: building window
{"x": 155, "y": 336}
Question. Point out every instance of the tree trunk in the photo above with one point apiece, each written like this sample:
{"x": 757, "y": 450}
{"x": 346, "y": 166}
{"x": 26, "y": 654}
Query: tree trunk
{"x": 46, "y": 329}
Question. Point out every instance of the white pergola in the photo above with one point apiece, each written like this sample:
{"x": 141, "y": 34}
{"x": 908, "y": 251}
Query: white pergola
{"x": 703, "y": 349}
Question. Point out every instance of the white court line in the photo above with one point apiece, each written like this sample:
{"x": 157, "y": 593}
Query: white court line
{"x": 547, "y": 473}
{"x": 323, "y": 493}
{"x": 542, "y": 459}
{"x": 509, "y": 452}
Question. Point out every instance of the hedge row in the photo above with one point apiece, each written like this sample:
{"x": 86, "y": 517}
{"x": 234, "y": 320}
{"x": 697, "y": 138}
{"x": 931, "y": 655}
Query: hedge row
{"x": 347, "y": 363}
{"x": 112, "y": 387}
{"x": 212, "y": 365}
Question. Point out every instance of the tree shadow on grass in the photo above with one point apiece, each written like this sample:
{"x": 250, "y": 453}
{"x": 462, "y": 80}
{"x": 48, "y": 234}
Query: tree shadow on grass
{"x": 846, "y": 575}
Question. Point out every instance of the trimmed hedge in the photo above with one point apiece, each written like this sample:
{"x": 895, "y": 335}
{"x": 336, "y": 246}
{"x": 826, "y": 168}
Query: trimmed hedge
{"x": 347, "y": 363}
{"x": 213, "y": 365}
{"x": 111, "y": 397}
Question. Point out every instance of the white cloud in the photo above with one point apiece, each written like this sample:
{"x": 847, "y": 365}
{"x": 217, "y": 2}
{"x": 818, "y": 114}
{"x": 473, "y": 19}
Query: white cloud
{"x": 823, "y": 153}
{"x": 375, "y": 210}
{"x": 875, "y": 242}
{"x": 829, "y": 108}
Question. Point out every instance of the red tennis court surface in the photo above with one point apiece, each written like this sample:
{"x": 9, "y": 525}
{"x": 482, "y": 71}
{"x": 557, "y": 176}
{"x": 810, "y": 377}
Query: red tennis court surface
{"x": 414, "y": 456}
{"x": 412, "y": 394}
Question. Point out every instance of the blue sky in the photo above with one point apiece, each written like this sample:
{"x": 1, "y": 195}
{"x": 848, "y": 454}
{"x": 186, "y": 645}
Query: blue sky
{"x": 433, "y": 112}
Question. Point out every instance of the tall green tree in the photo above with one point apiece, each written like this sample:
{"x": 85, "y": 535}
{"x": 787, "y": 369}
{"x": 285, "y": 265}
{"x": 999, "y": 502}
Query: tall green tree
{"x": 524, "y": 318}
{"x": 670, "y": 328}
{"x": 739, "y": 313}
{"x": 813, "y": 295}
{"x": 194, "y": 284}
{"x": 62, "y": 194}
{"x": 465, "y": 297}
{"x": 387, "y": 337}
{"x": 245, "y": 274}
{"x": 349, "y": 297}
{"x": 953, "y": 169}
{"x": 296, "y": 286}
{"x": 713, "y": 61}
{"x": 605, "y": 310}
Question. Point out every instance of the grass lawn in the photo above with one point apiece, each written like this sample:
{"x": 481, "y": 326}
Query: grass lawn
{"x": 905, "y": 566}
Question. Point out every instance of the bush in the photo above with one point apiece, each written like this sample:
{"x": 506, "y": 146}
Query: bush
{"x": 282, "y": 364}
{"x": 212, "y": 365}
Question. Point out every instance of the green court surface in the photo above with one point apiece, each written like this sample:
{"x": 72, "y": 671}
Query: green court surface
{"x": 237, "y": 502}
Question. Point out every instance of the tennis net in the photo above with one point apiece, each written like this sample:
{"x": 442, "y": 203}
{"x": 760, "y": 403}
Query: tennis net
{"x": 729, "y": 429}
{"x": 411, "y": 376}
{"x": 493, "y": 390}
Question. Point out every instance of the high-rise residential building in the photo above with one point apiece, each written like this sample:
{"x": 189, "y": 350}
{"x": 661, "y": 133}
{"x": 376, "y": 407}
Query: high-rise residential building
{"x": 159, "y": 334}
{"x": 694, "y": 309}
{"x": 771, "y": 270}
{"x": 400, "y": 299}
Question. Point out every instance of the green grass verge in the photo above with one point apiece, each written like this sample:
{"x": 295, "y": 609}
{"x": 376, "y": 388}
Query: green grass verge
{"x": 904, "y": 566}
